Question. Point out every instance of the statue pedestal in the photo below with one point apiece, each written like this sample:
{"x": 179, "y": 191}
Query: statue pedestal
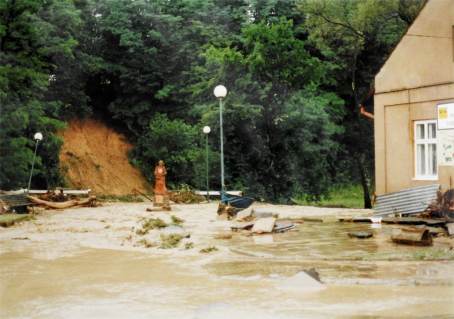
{"x": 161, "y": 201}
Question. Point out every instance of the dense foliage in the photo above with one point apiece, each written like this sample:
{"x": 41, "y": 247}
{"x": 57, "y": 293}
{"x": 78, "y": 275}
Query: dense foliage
{"x": 295, "y": 70}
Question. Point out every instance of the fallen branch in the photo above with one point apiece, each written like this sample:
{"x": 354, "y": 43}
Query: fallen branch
{"x": 61, "y": 205}
{"x": 135, "y": 190}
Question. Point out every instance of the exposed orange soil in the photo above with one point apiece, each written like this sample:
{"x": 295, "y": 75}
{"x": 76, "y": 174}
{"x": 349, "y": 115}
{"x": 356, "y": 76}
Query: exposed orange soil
{"x": 95, "y": 156}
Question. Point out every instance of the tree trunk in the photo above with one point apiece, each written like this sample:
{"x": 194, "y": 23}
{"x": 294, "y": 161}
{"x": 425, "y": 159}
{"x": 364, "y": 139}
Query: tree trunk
{"x": 364, "y": 184}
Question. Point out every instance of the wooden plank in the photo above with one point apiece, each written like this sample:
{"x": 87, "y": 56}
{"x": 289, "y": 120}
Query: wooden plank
{"x": 412, "y": 236}
{"x": 414, "y": 221}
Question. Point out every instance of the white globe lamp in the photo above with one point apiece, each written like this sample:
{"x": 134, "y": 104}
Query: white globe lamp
{"x": 206, "y": 129}
{"x": 38, "y": 136}
{"x": 220, "y": 91}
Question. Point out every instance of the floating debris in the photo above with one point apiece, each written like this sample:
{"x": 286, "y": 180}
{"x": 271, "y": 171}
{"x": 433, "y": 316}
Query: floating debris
{"x": 264, "y": 225}
{"x": 245, "y": 216}
{"x": 149, "y": 224}
{"x": 360, "y": 234}
{"x": 176, "y": 220}
{"x": 412, "y": 236}
{"x": 241, "y": 226}
{"x": 283, "y": 226}
{"x": 186, "y": 196}
{"x": 170, "y": 241}
{"x": 414, "y": 221}
{"x": 209, "y": 250}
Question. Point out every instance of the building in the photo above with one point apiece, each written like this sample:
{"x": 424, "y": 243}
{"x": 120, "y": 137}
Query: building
{"x": 414, "y": 105}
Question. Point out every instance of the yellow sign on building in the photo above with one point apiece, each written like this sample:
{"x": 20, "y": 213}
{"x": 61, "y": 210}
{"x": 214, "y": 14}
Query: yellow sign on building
{"x": 446, "y": 116}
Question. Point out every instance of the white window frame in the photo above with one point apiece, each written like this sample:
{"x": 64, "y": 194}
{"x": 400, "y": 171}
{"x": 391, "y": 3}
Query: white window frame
{"x": 426, "y": 141}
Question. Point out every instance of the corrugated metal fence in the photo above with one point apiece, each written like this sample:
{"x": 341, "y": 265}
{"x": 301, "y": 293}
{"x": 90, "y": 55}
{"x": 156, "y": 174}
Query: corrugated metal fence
{"x": 408, "y": 201}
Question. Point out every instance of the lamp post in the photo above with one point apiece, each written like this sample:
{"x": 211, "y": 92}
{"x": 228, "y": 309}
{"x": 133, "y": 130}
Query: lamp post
{"x": 221, "y": 92}
{"x": 37, "y": 137}
{"x": 206, "y": 131}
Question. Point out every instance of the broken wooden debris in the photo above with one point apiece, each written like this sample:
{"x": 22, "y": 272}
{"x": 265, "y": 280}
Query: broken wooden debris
{"x": 360, "y": 234}
{"x": 241, "y": 226}
{"x": 3, "y": 207}
{"x": 414, "y": 221}
{"x": 90, "y": 201}
{"x": 412, "y": 236}
{"x": 450, "y": 229}
{"x": 443, "y": 206}
{"x": 283, "y": 226}
{"x": 245, "y": 216}
{"x": 228, "y": 210}
{"x": 15, "y": 202}
{"x": 186, "y": 196}
{"x": 435, "y": 231}
{"x": 362, "y": 220}
{"x": 264, "y": 225}
{"x": 136, "y": 191}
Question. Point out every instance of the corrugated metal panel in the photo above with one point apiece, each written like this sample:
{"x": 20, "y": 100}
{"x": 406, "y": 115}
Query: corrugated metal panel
{"x": 408, "y": 201}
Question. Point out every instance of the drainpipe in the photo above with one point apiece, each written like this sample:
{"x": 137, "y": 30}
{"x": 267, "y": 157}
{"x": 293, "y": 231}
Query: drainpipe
{"x": 363, "y": 112}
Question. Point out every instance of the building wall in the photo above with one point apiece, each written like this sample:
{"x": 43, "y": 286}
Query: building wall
{"x": 418, "y": 75}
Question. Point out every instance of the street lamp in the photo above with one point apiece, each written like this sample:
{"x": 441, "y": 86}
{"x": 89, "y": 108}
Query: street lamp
{"x": 37, "y": 137}
{"x": 221, "y": 92}
{"x": 206, "y": 131}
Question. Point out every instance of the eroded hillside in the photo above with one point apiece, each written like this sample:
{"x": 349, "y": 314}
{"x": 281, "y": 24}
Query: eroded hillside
{"x": 95, "y": 156}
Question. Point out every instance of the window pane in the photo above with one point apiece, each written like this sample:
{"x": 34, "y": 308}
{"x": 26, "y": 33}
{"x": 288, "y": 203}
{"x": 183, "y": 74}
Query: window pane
{"x": 432, "y": 130}
{"x": 421, "y": 156}
{"x": 433, "y": 159}
{"x": 420, "y": 131}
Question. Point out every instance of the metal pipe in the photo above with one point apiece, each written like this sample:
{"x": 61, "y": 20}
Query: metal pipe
{"x": 222, "y": 145}
{"x": 33, "y": 166}
{"x": 207, "y": 167}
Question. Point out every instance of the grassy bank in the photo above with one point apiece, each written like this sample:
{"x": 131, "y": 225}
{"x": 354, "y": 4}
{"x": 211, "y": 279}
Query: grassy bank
{"x": 121, "y": 198}
{"x": 344, "y": 197}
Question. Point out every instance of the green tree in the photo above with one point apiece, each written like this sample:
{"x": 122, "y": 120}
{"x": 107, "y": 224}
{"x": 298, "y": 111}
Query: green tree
{"x": 173, "y": 141}
{"x": 279, "y": 122}
{"x": 31, "y": 36}
{"x": 357, "y": 36}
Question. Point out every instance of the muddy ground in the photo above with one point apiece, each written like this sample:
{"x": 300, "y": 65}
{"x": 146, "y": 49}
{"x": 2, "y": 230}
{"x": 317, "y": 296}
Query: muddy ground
{"x": 91, "y": 263}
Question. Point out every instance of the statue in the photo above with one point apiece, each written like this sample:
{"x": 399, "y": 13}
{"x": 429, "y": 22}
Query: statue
{"x": 161, "y": 198}
{"x": 160, "y": 173}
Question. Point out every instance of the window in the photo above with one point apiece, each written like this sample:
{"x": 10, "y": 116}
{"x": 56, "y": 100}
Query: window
{"x": 426, "y": 150}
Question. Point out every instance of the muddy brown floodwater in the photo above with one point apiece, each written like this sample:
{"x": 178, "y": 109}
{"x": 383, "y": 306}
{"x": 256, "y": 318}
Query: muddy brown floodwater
{"x": 88, "y": 263}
